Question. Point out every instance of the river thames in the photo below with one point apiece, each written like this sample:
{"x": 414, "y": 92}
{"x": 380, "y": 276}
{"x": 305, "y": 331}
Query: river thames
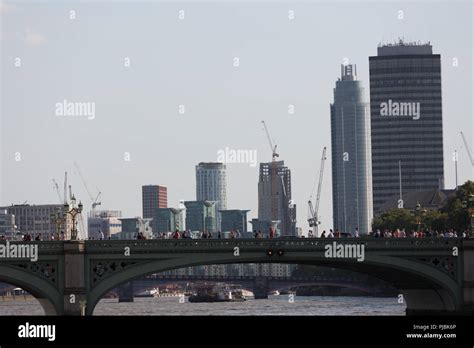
{"x": 274, "y": 305}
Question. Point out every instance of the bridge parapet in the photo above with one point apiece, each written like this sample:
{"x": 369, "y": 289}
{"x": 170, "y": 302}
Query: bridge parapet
{"x": 202, "y": 245}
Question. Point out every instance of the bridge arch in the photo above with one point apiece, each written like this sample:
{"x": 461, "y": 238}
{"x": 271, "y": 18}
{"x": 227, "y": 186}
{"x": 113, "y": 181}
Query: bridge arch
{"x": 43, "y": 291}
{"x": 423, "y": 286}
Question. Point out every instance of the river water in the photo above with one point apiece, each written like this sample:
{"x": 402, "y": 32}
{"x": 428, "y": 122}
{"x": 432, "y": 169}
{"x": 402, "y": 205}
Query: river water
{"x": 274, "y": 305}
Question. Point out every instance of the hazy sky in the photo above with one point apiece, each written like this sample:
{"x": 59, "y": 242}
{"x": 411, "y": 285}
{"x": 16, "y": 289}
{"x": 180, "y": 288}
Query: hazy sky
{"x": 190, "y": 62}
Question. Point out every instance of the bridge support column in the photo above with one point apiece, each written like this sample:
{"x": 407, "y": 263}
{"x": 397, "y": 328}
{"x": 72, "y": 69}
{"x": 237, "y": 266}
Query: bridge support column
{"x": 260, "y": 288}
{"x": 126, "y": 292}
{"x": 468, "y": 277}
{"x": 75, "y": 295}
{"x": 428, "y": 301}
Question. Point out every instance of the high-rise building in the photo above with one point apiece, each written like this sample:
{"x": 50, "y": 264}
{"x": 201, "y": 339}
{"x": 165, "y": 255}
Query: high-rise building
{"x": 274, "y": 197}
{"x": 168, "y": 220}
{"x": 406, "y": 120}
{"x": 234, "y": 219}
{"x": 350, "y": 149}
{"x": 106, "y": 222}
{"x": 211, "y": 185}
{"x": 36, "y": 219}
{"x": 153, "y": 197}
{"x": 201, "y": 216}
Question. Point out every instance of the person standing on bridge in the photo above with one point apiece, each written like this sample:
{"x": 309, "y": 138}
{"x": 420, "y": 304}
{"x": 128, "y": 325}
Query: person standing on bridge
{"x": 356, "y": 232}
{"x": 323, "y": 235}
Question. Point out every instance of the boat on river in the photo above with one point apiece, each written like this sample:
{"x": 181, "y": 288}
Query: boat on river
{"x": 218, "y": 293}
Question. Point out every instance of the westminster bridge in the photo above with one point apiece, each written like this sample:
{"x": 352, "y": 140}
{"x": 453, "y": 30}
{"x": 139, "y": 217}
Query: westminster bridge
{"x": 434, "y": 275}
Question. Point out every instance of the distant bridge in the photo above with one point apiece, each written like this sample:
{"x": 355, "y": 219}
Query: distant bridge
{"x": 261, "y": 286}
{"x": 70, "y": 277}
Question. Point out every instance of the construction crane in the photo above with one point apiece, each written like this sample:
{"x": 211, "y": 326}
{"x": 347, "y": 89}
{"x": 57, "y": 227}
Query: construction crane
{"x": 273, "y": 175}
{"x": 313, "y": 218}
{"x": 273, "y": 148}
{"x": 65, "y": 189}
{"x": 94, "y": 201}
{"x": 62, "y": 200}
{"x": 56, "y": 187}
{"x": 467, "y": 148}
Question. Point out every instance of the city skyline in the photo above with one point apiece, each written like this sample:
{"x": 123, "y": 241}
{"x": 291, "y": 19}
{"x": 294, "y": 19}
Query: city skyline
{"x": 263, "y": 86}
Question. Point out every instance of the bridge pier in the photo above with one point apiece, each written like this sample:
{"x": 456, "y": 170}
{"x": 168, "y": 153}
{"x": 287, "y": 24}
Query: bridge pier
{"x": 75, "y": 294}
{"x": 428, "y": 302}
{"x": 468, "y": 275}
{"x": 125, "y": 292}
{"x": 260, "y": 288}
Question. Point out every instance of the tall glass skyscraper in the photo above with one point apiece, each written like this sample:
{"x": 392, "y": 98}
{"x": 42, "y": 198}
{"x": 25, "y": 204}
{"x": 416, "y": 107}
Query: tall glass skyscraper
{"x": 350, "y": 148}
{"x": 406, "y": 118}
{"x": 211, "y": 185}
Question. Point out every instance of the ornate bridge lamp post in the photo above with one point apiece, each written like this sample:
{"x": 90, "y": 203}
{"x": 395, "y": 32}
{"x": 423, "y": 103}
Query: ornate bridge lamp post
{"x": 71, "y": 209}
{"x": 58, "y": 219}
{"x": 418, "y": 213}
{"x": 469, "y": 206}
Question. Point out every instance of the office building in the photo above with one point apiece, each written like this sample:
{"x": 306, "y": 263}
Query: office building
{"x": 106, "y": 222}
{"x": 234, "y": 220}
{"x": 36, "y": 219}
{"x": 201, "y": 216}
{"x": 153, "y": 197}
{"x": 132, "y": 226}
{"x": 406, "y": 120}
{"x": 8, "y": 228}
{"x": 264, "y": 226}
{"x": 168, "y": 220}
